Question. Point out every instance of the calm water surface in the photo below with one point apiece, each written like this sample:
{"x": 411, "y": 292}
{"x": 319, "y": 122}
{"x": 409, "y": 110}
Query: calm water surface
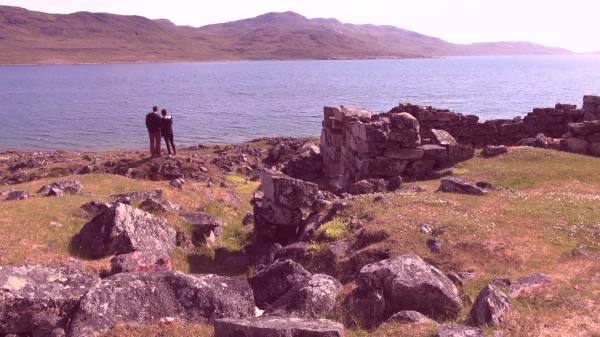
{"x": 94, "y": 107}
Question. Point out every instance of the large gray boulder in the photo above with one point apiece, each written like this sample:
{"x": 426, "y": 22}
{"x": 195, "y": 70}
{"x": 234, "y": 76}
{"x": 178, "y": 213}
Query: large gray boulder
{"x": 145, "y": 298}
{"x": 405, "y": 283}
{"x": 38, "y": 300}
{"x": 286, "y": 288}
{"x": 123, "y": 229}
{"x": 458, "y": 185}
{"x": 490, "y": 307}
{"x": 277, "y": 327}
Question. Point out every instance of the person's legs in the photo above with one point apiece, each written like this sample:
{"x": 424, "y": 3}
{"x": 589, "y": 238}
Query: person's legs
{"x": 166, "y": 137}
{"x": 151, "y": 137}
{"x": 157, "y": 142}
{"x": 172, "y": 144}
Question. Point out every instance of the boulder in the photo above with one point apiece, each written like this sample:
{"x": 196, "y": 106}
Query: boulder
{"x": 287, "y": 191}
{"x": 122, "y": 229}
{"x": 286, "y": 288}
{"x": 576, "y": 145}
{"x": 177, "y": 183}
{"x": 277, "y": 327}
{"x": 460, "y": 152}
{"x": 140, "y": 262}
{"x": 408, "y": 283}
{"x": 17, "y": 195}
{"x": 38, "y": 300}
{"x": 145, "y": 298}
{"x": 408, "y": 317}
{"x": 526, "y": 284}
{"x": 456, "y": 330}
{"x": 126, "y": 198}
{"x": 493, "y": 151}
{"x": 489, "y": 307}
{"x": 540, "y": 141}
{"x": 458, "y": 185}
{"x": 205, "y": 228}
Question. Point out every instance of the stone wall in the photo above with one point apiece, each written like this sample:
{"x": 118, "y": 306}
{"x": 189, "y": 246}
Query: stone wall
{"x": 582, "y": 138}
{"x": 468, "y": 129}
{"x": 381, "y": 150}
{"x": 591, "y": 108}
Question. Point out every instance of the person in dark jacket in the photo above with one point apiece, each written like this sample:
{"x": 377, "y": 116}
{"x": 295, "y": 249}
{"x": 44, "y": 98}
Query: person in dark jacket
{"x": 153, "y": 124}
{"x": 167, "y": 131}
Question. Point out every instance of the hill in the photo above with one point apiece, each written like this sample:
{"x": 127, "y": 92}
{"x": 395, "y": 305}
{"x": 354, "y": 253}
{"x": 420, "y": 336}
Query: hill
{"x": 83, "y": 37}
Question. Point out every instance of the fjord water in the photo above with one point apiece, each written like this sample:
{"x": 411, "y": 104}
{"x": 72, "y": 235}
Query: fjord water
{"x": 97, "y": 107}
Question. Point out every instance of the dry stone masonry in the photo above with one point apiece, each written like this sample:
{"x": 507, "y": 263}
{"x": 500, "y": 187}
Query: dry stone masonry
{"x": 359, "y": 146}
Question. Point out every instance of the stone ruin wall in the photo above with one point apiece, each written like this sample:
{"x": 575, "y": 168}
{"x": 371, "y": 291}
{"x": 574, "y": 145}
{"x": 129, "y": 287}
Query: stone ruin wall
{"x": 409, "y": 141}
{"x": 382, "y": 149}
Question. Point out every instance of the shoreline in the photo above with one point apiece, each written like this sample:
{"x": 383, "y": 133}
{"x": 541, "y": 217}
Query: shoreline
{"x": 277, "y": 60}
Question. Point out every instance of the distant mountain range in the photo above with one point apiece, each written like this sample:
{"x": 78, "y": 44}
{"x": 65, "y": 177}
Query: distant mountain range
{"x": 28, "y": 37}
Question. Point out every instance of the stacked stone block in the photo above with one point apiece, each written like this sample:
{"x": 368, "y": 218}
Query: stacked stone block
{"x": 583, "y": 138}
{"x": 359, "y": 146}
{"x": 591, "y": 108}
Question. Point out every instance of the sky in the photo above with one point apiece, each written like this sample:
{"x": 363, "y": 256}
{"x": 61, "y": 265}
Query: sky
{"x": 571, "y": 24}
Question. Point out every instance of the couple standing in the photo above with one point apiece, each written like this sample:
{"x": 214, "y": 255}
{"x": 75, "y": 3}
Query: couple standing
{"x": 158, "y": 126}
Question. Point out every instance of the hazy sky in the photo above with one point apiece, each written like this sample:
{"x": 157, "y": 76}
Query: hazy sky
{"x": 572, "y": 24}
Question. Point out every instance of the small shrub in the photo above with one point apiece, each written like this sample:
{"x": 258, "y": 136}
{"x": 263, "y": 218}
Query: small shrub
{"x": 332, "y": 230}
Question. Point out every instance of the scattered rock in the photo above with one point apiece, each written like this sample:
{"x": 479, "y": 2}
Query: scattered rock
{"x": 425, "y": 228}
{"x": 122, "y": 229}
{"x": 586, "y": 254}
{"x": 95, "y": 207}
{"x": 526, "y": 284}
{"x": 153, "y": 205}
{"x": 86, "y": 169}
{"x": 140, "y": 262}
{"x": 277, "y": 327}
{"x": 457, "y": 185}
{"x": 145, "y": 298}
{"x": 493, "y": 151}
{"x": 490, "y": 307}
{"x": 435, "y": 246}
{"x": 408, "y": 317}
{"x": 540, "y": 141}
{"x": 37, "y": 300}
{"x": 456, "y": 330}
{"x": 128, "y": 197}
{"x": 17, "y": 195}
{"x": 55, "y": 224}
{"x": 177, "y": 183}
{"x": 60, "y": 188}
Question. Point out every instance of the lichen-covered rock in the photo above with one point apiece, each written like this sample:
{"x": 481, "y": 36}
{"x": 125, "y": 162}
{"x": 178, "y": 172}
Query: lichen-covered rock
{"x": 145, "y": 298}
{"x": 95, "y": 207}
{"x": 457, "y": 185}
{"x": 277, "y": 327}
{"x": 153, "y": 205}
{"x": 206, "y": 228}
{"x": 286, "y": 288}
{"x": 456, "y": 330}
{"x": 407, "y": 283}
{"x": 128, "y": 197}
{"x": 140, "y": 262}
{"x": 38, "y": 300}
{"x": 122, "y": 229}
{"x": 526, "y": 284}
{"x": 489, "y": 307}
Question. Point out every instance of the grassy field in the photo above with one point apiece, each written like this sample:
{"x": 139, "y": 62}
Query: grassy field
{"x": 546, "y": 204}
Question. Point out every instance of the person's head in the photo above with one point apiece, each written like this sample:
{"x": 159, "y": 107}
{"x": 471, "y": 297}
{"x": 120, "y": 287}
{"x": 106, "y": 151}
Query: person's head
{"x": 155, "y": 108}
{"x": 163, "y": 112}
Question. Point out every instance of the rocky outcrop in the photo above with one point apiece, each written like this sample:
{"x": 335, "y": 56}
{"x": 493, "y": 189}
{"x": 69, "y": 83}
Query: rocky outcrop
{"x": 523, "y": 285}
{"x": 493, "y": 151}
{"x": 490, "y": 307}
{"x": 127, "y": 198}
{"x": 145, "y": 298}
{"x": 457, "y": 330}
{"x": 122, "y": 229}
{"x": 277, "y": 327}
{"x": 153, "y": 205}
{"x": 38, "y": 300}
{"x": 140, "y": 262}
{"x": 403, "y": 283}
{"x": 297, "y": 158}
{"x": 95, "y": 207}
{"x": 17, "y": 195}
{"x": 458, "y": 185}
{"x": 285, "y": 288}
